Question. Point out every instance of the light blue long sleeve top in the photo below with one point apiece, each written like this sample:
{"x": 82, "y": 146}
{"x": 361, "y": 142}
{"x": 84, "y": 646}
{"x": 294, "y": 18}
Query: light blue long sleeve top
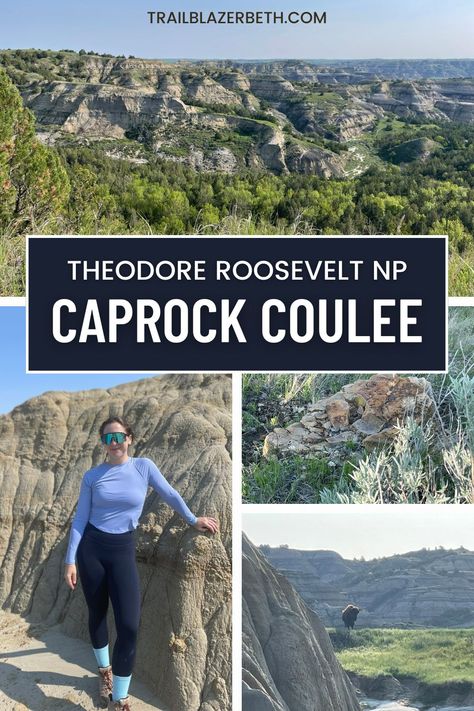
{"x": 112, "y": 497}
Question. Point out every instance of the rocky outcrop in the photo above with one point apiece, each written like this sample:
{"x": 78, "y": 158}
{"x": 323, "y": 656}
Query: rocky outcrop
{"x": 267, "y": 147}
{"x": 344, "y": 117}
{"x": 271, "y": 87}
{"x": 365, "y": 412}
{"x": 352, "y": 122}
{"x": 208, "y": 91}
{"x": 423, "y": 588}
{"x": 447, "y": 696}
{"x": 102, "y": 111}
{"x": 343, "y": 71}
{"x": 183, "y": 423}
{"x": 288, "y": 660}
{"x": 272, "y": 150}
{"x": 235, "y": 81}
{"x": 406, "y": 68}
{"x": 430, "y": 100}
{"x": 313, "y": 161}
{"x": 171, "y": 84}
{"x": 96, "y": 97}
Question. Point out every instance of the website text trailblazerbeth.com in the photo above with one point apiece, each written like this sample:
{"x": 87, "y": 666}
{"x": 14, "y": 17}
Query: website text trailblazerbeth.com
{"x": 235, "y": 17}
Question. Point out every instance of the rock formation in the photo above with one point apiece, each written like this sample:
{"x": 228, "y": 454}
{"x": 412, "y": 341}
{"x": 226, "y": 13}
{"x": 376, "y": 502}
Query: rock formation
{"x": 362, "y": 70}
{"x": 288, "y": 660}
{"x": 423, "y": 588}
{"x": 274, "y": 116}
{"x": 183, "y": 422}
{"x": 366, "y": 412}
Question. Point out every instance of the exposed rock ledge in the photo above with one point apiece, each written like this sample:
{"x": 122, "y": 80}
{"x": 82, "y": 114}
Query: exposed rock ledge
{"x": 366, "y": 412}
{"x": 288, "y": 659}
{"x": 408, "y": 690}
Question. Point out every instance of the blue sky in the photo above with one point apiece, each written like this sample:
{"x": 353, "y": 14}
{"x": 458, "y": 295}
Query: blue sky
{"x": 16, "y": 386}
{"x": 355, "y": 29}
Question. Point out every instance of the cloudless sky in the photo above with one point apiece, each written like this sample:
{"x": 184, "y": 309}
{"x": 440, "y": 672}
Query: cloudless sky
{"x": 16, "y": 386}
{"x": 369, "y": 531}
{"x": 355, "y": 29}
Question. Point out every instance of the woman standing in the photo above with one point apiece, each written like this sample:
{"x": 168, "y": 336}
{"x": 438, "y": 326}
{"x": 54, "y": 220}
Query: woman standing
{"x": 102, "y": 535}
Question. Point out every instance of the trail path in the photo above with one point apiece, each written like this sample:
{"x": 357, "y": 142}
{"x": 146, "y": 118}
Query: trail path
{"x": 42, "y": 669}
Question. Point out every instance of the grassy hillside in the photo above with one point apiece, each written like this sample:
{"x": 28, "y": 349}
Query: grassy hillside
{"x": 432, "y": 656}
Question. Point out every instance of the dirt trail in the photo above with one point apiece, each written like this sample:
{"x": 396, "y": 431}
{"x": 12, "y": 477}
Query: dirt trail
{"x": 42, "y": 669}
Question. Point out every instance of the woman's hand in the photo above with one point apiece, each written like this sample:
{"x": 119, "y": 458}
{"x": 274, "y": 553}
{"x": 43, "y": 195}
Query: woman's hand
{"x": 207, "y": 523}
{"x": 70, "y": 575}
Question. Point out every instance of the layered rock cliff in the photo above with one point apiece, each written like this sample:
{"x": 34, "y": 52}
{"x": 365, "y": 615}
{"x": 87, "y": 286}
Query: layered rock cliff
{"x": 357, "y": 70}
{"x": 224, "y": 116}
{"x": 183, "y": 423}
{"x": 423, "y": 588}
{"x": 288, "y": 660}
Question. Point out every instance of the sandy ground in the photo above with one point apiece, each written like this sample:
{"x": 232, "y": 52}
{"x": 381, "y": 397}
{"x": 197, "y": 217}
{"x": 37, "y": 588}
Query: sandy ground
{"x": 44, "y": 670}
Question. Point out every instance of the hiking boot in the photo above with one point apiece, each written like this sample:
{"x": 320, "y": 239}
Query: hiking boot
{"x": 105, "y": 685}
{"x": 120, "y": 705}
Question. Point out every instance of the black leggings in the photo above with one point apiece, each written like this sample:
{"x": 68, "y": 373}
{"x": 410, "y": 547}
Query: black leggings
{"x": 107, "y": 567}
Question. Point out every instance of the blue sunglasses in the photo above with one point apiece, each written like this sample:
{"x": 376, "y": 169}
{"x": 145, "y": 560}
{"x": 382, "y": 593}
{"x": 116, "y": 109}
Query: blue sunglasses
{"x": 117, "y": 437}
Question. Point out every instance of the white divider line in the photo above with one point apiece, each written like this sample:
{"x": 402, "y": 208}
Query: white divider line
{"x": 461, "y": 301}
{"x": 12, "y": 301}
{"x": 237, "y": 542}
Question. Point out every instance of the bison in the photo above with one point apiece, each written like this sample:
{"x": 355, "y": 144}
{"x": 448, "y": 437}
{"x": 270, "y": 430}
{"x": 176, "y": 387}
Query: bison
{"x": 349, "y": 616}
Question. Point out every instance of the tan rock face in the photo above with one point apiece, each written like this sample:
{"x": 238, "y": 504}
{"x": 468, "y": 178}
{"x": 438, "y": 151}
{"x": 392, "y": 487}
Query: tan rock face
{"x": 365, "y": 412}
{"x": 314, "y": 161}
{"x": 210, "y": 92}
{"x": 183, "y": 423}
{"x": 288, "y": 659}
{"x": 271, "y": 87}
{"x": 235, "y": 81}
{"x": 338, "y": 410}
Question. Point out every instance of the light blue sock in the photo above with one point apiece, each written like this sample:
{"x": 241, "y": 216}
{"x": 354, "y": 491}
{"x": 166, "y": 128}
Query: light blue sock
{"x": 102, "y": 656}
{"x": 120, "y": 689}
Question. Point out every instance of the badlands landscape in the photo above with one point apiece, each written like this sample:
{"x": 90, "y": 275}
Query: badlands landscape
{"x": 410, "y": 649}
{"x": 124, "y": 145}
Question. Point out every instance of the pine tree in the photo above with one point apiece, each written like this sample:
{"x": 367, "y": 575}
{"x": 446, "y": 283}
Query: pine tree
{"x": 33, "y": 182}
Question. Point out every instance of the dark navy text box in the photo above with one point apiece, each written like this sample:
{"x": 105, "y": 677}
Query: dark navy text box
{"x": 49, "y": 279}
